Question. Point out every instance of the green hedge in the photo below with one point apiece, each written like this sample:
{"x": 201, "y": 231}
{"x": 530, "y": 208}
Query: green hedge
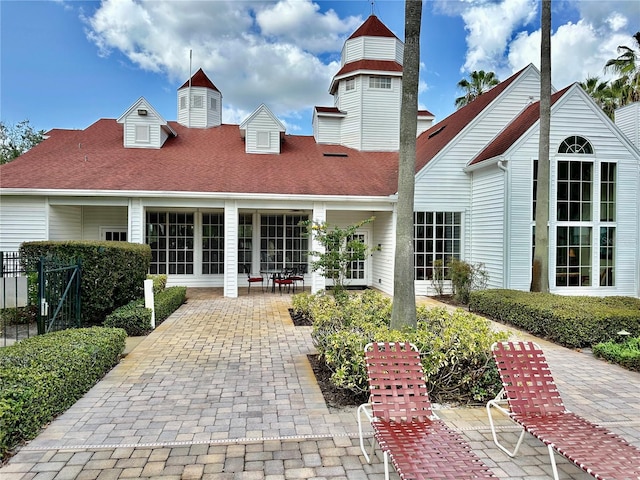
{"x": 455, "y": 346}
{"x": 135, "y": 319}
{"x": 571, "y": 321}
{"x": 625, "y": 354}
{"x": 42, "y": 376}
{"x": 113, "y": 273}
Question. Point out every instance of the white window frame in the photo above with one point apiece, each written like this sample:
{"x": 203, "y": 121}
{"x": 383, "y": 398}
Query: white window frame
{"x": 113, "y": 229}
{"x": 183, "y": 103}
{"x": 350, "y": 84}
{"x": 380, "y": 82}
{"x": 213, "y": 104}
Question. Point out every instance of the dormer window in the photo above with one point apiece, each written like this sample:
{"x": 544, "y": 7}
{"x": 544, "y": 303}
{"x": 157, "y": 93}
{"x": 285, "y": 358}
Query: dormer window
{"x": 350, "y": 84}
{"x": 142, "y": 133}
{"x": 379, "y": 82}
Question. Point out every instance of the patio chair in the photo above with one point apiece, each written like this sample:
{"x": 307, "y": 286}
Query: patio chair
{"x": 419, "y": 444}
{"x": 533, "y": 401}
{"x": 297, "y": 275}
{"x": 283, "y": 279}
{"x": 252, "y": 278}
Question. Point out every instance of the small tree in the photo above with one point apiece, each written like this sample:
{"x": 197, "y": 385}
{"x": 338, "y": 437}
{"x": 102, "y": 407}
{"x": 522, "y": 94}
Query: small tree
{"x": 466, "y": 278}
{"x": 17, "y": 139}
{"x": 341, "y": 249}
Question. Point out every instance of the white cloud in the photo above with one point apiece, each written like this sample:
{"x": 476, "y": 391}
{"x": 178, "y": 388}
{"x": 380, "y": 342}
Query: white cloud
{"x": 490, "y": 27}
{"x": 577, "y": 52}
{"x": 253, "y": 51}
{"x": 500, "y": 36}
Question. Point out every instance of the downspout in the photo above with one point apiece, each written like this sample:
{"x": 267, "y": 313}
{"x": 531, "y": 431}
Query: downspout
{"x": 506, "y": 264}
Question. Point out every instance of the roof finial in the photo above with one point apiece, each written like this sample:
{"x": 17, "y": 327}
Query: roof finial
{"x": 372, "y": 6}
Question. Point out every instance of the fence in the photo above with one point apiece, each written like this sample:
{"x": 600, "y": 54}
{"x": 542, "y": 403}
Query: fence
{"x": 18, "y": 300}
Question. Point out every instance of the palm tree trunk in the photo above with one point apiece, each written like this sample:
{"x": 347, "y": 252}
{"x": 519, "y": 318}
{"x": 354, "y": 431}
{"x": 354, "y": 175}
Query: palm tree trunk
{"x": 540, "y": 274}
{"x": 404, "y": 301}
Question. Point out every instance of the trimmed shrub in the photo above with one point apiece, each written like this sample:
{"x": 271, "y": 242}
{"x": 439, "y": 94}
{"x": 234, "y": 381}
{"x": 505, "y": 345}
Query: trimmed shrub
{"x": 455, "y": 346}
{"x": 135, "y": 319}
{"x": 625, "y": 354}
{"x": 42, "y": 376}
{"x": 159, "y": 282}
{"x": 113, "y": 273}
{"x": 570, "y": 321}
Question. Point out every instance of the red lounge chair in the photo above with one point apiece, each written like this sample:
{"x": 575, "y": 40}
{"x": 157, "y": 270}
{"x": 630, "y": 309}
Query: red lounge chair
{"x": 419, "y": 444}
{"x": 534, "y": 403}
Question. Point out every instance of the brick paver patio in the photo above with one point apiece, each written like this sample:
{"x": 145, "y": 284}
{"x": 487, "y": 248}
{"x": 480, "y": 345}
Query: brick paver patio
{"x": 223, "y": 390}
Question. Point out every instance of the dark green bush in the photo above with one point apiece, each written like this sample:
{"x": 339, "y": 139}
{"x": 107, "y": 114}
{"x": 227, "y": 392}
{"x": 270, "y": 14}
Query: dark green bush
{"x": 135, "y": 319}
{"x": 568, "y": 320}
{"x": 455, "y": 346}
{"x": 42, "y": 376}
{"x": 625, "y": 354}
{"x": 113, "y": 273}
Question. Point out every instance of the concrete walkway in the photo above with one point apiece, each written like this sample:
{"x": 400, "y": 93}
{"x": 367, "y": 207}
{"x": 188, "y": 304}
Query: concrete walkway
{"x": 223, "y": 390}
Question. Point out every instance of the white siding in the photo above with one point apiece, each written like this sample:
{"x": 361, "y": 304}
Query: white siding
{"x": 384, "y": 236}
{"x": 22, "y": 219}
{"x": 327, "y": 129}
{"x": 231, "y": 249}
{"x": 136, "y": 221}
{"x": 381, "y": 116}
{"x": 487, "y": 223}
{"x": 65, "y": 222}
{"x": 575, "y": 116}
{"x": 261, "y": 123}
{"x": 94, "y": 217}
{"x": 351, "y": 128}
{"x": 151, "y": 120}
{"x": 377, "y": 48}
{"x": 628, "y": 120}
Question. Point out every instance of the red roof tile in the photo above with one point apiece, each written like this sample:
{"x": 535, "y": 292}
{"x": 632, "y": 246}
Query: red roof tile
{"x": 433, "y": 140}
{"x": 328, "y": 110}
{"x": 425, "y": 113}
{"x": 372, "y": 27}
{"x": 514, "y": 130}
{"x": 378, "y": 65}
{"x": 200, "y": 79}
{"x": 198, "y": 160}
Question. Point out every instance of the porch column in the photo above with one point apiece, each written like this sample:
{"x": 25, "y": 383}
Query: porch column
{"x": 319, "y": 215}
{"x": 136, "y": 221}
{"x": 230, "y": 249}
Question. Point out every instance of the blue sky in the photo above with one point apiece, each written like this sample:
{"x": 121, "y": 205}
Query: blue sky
{"x": 65, "y": 64}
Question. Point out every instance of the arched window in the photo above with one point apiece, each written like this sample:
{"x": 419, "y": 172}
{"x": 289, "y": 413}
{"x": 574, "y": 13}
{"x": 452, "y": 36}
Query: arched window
{"x": 576, "y": 144}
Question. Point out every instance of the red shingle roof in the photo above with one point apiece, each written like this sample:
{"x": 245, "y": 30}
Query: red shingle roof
{"x": 198, "y": 160}
{"x": 372, "y": 27}
{"x": 379, "y": 65}
{"x": 514, "y": 130}
{"x": 200, "y": 79}
{"x": 432, "y": 141}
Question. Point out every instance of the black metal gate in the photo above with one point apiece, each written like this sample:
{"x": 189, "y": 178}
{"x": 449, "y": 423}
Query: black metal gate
{"x": 58, "y": 295}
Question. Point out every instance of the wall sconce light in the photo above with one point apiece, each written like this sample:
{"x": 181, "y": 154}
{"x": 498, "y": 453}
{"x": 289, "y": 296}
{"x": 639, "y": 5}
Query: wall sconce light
{"x": 142, "y": 112}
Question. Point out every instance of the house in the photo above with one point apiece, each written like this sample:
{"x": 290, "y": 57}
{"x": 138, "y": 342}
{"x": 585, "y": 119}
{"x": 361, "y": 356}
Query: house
{"x": 210, "y": 197}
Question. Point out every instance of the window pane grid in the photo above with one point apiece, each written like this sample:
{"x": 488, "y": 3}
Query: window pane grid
{"x": 170, "y": 236}
{"x": 608, "y": 192}
{"x": 212, "y": 243}
{"x": 573, "y": 256}
{"x": 245, "y": 237}
{"x": 379, "y": 82}
{"x": 607, "y": 256}
{"x": 574, "y": 202}
{"x": 283, "y": 242}
{"x": 436, "y": 237}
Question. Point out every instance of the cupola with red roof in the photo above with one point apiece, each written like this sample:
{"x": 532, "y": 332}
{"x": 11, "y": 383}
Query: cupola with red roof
{"x": 366, "y": 91}
{"x": 204, "y": 109}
